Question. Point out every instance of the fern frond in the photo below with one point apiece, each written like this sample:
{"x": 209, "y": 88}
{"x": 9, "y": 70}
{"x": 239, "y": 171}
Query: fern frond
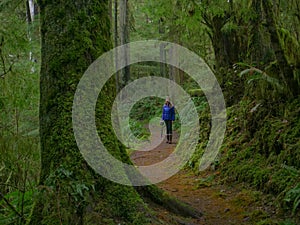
{"x": 261, "y": 75}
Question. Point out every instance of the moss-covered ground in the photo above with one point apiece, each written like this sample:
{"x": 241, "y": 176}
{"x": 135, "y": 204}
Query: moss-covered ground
{"x": 261, "y": 150}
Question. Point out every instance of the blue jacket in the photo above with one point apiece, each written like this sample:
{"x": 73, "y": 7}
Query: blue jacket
{"x": 168, "y": 113}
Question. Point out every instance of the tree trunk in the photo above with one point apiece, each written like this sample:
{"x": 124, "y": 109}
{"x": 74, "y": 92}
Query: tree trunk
{"x": 286, "y": 72}
{"x": 70, "y": 192}
{"x": 257, "y": 49}
{"x": 30, "y": 13}
{"x": 116, "y": 41}
{"x": 162, "y": 55}
{"x": 162, "y": 50}
{"x": 218, "y": 46}
{"x": 124, "y": 39}
{"x": 74, "y": 34}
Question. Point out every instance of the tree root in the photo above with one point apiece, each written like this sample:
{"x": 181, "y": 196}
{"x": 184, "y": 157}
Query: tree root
{"x": 170, "y": 203}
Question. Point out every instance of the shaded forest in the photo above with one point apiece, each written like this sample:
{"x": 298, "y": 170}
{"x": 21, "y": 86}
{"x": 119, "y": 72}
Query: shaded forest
{"x": 252, "y": 47}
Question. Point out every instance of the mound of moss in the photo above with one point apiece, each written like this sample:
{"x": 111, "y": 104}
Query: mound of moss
{"x": 261, "y": 148}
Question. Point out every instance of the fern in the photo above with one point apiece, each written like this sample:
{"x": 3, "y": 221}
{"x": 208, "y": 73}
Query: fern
{"x": 261, "y": 75}
{"x": 293, "y": 195}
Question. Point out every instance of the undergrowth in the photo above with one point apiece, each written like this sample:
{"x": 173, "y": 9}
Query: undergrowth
{"x": 261, "y": 148}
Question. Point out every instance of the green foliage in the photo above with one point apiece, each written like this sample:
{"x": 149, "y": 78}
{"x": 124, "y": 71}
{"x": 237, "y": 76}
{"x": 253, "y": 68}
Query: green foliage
{"x": 70, "y": 192}
{"x": 261, "y": 148}
{"x": 176, "y": 21}
{"x": 262, "y": 142}
{"x": 291, "y": 46}
{"x": 138, "y": 129}
{"x": 260, "y": 156}
{"x": 293, "y": 196}
{"x": 287, "y": 222}
{"x": 65, "y": 190}
{"x": 263, "y": 83}
{"x": 18, "y": 207}
{"x": 147, "y": 108}
{"x": 196, "y": 92}
{"x": 257, "y": 74}
{"x": 144, "y": 69}
{"x": 206, "y": 182}
{"x": 19, "y": 99}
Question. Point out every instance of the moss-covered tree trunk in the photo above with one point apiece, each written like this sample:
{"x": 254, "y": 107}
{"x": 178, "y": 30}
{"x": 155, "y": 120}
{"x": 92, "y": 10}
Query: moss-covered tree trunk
{"x": 256, "y": 48}
{"x": 74, "y": 34}
{"x": 286, "y": 71}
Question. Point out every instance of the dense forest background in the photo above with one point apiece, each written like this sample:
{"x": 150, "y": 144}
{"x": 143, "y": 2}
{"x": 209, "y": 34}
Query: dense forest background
{"x": 253, "y": 48}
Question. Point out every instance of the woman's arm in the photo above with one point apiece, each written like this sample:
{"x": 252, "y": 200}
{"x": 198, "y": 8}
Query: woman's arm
{"x": 173, "y": 113}
{"x": 163, "y": 113}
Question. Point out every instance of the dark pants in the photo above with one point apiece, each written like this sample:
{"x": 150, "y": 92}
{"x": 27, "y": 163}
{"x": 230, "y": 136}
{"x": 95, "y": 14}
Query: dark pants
{"x": 169, "y": 129}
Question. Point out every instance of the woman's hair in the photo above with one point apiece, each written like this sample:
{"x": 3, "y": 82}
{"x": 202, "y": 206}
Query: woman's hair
{"x": 168, "y": 103}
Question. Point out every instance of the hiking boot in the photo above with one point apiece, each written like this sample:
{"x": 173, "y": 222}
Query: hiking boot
{"x": 170, "y": 139}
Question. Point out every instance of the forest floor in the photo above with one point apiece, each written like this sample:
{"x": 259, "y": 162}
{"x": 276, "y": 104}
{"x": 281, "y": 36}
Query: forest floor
{"x": 220, "y": 204}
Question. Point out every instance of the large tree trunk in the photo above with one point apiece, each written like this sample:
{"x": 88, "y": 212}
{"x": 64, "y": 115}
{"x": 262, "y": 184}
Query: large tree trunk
{"x": 74, "y": 34}
{"x": 286, "y": 72}
{"x": 217, "y": 39}
{"x": 215, "y": 24}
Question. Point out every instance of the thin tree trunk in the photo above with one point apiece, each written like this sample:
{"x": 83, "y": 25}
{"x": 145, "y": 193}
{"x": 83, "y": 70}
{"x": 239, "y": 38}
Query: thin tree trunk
{"x": 162, "y": 51}
{"x": 30, "y": 12}
{"x": 116, "y": 41}
{"x": 124, "y": 39}
{"x": 162, "y": 54}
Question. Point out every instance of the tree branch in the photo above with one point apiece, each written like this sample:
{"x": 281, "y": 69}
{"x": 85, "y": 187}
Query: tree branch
{"x": 5, "y": 71}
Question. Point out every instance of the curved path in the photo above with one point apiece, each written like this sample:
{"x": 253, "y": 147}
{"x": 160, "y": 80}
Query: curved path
{"x": 220, "y": 205}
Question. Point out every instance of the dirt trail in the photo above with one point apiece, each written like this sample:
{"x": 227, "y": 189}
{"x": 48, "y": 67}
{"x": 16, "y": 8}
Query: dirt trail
{"x": 219, "y": 204}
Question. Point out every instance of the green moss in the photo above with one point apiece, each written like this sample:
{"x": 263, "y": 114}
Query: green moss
{"x": 74, "y": 34}
{"x": 261, "y": 146}
{"x": 272, "y": 148}
{"x": 196, "y": 92}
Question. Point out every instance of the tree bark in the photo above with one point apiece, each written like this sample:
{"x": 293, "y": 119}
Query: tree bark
{"x": 256, "y": 46}
{"x": 74, "y": 34}
{"x": 286, "y": 72}
{"x": 116, "y": 41}
{"x": 218, "y": 39}
{"x": 162, "y": 55}
{"x": 124, "y": 39}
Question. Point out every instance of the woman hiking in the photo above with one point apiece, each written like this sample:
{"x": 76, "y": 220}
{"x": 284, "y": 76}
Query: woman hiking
{"x": 168, "y": 115}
